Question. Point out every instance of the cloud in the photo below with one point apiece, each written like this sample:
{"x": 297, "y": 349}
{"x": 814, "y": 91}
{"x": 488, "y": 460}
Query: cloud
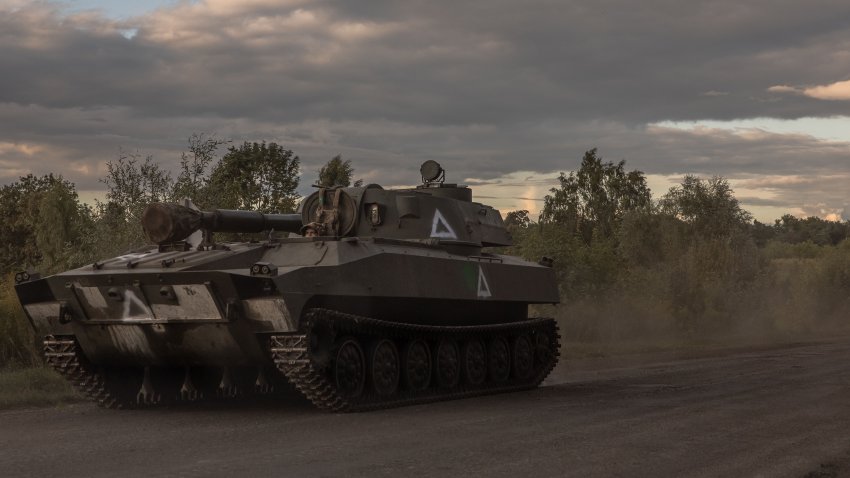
{"x": 777, "y": 181}
{"x": 715, "y": 93}
{"x": 839, "y": 90}
{"x": 27, "y": 150}
{"x": 784, "y": 89}
{"x": 836, "y": 91}
{"x": 487, "y": 88}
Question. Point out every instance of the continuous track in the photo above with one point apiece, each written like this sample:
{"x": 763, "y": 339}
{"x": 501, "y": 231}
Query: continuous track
{"x": 307, "y": 359}
{"x": 342, "y": 362}
{"x": 64, "y": 355}
{"x": 133, "y": 387}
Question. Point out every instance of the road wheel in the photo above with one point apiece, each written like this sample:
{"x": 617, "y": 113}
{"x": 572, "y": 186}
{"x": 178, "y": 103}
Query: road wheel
{"x": 475, "y": 362}
{"x": 448, "y": 363}
{"x": 542, "y": 348}
{"x": 499, "y": 359}
{"x": 349, "y": 369}
{"x": 385, "y": 367}
{"x": 417, "y": 365}
{"x": 523, "y": 357}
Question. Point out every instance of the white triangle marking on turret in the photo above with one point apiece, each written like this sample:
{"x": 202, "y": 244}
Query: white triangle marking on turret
{"x": 483, "y": 286}
{"x": 440, "y": 227}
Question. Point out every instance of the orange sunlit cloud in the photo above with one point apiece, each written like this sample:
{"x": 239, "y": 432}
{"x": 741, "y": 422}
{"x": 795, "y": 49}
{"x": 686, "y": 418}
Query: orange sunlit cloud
{"x": 840, "y": 91}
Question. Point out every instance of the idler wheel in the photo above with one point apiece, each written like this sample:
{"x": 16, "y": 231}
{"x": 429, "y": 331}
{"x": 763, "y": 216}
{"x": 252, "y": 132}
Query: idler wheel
{"x": 417, "y": 365}
{"x": 385, "y": 367}
{"x": 349, "y": 369}
{"x": 499, "y": 359}
{"x": 523, "y": 357}
{"x": 475, "y": 362}
{"x": 448, "y": 363}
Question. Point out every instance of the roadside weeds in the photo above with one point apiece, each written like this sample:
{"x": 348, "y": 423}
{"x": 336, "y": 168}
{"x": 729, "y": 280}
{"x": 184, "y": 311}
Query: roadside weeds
{"x": 34, "y": 387}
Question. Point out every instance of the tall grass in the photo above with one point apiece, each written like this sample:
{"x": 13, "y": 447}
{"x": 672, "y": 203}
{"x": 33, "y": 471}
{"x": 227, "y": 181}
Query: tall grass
{"x": 34, "y": 386}
{"x": 18, "y": 346}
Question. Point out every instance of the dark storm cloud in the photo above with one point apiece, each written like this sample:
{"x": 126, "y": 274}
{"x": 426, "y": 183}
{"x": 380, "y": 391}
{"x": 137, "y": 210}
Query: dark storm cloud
{"x": 486, "y": 88}
{"x": 474, "y": 62}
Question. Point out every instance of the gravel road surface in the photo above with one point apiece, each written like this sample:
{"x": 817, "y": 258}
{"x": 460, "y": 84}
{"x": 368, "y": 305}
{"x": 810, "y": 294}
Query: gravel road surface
{"x": 782, "y": 411}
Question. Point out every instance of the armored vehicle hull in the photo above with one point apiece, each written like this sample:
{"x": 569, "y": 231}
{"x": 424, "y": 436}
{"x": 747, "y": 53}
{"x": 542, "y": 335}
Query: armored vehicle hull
{"x": 390, "y": 306}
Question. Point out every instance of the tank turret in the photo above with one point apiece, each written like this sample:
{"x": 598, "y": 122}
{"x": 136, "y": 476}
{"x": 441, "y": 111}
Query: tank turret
{"x": 434, "y": 211}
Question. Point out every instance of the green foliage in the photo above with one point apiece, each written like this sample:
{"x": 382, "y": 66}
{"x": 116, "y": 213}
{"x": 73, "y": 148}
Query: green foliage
{"x": 811, "y": 229}
{"x": 192, "y": 181}
{"x": 580, "y": 222}
{"x": 517, "y": 219}
{"x": 17, "y": 340}
{"x": 258, "y": 176}
{"x": 592, "y": 201}
{"x": 337, "y": 173}
{"x": 782, "y": 250}
{"x": 647, "y": 238}
{"x": 709, "y": 206}
{"x": 132, "y": 183}
{"x": 43, "y": 219}
{"x": 60, "y": 225}
{"x": 695, "y": 268}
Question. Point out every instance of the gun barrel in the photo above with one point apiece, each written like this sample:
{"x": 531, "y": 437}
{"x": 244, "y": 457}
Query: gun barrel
{"x": 165, "y": 222}
{"x": 231, "y": 220}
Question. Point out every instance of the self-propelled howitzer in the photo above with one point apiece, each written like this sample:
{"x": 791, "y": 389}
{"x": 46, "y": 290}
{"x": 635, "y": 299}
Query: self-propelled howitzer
{"x": 397, "y": 300}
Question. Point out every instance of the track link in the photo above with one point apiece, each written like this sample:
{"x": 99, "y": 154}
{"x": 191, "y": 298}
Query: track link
{"x": 63, "y": 354}
{"x": 300, "y": 358}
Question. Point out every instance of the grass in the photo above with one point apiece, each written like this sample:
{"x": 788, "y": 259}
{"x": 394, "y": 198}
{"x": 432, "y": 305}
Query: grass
{"x": 34, "y": 387}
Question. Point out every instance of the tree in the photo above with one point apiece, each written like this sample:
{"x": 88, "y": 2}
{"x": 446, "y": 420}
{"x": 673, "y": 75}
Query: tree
{"x": 580, "y": 221}
{"x": 517, "y": 219}
{"x": 41, "y": 217}
{"x": 258, "y": 176}
{"x": 61, "y": 222}
{"x": 647, "y": 239}
{"x": 793, "y": 230}
{"x": 192, "y": 181}
{"x": 337, "y": 173}
{"x": 762, "y": 233}
{"x": 709, "y": 206}
{"x": 593, "y": 200}
{"x": 132, "y": 185}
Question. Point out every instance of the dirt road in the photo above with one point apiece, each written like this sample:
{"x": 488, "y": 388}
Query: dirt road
{"x": 774, "y": 412}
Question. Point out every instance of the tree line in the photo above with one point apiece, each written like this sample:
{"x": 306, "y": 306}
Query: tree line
{"x": 692, "y": 265}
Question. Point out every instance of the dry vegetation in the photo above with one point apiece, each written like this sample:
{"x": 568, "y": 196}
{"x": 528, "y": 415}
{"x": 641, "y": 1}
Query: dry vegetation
{"x": 34, "y": 386}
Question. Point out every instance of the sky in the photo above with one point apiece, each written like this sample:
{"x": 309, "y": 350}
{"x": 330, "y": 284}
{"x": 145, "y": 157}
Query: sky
{"x": 504, "y": 94}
